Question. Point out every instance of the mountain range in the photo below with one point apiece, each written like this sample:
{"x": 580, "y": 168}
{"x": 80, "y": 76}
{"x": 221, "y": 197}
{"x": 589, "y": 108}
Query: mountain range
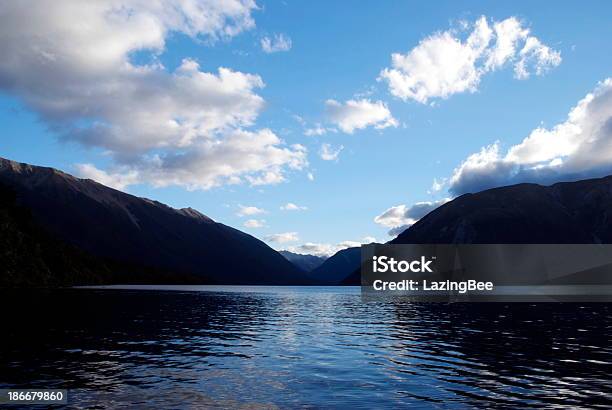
{"x": 57, "y": 230}
{"x": 566, "y": 212}
{"x": 340, "y": 265}
{"x": 126, "y": 238}
{"x": 307, "y": 263}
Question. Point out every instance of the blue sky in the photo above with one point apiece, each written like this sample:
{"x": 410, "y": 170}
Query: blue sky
{"x": 336, "y": 53}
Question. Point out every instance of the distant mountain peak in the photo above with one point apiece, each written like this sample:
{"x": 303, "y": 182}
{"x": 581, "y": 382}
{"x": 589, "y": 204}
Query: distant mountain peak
{"x": 305, "y": 262}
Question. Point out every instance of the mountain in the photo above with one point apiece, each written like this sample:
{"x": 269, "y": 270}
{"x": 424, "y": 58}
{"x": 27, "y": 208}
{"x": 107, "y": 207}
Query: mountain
{"x": 137, "y": 236}
{"x": 31, "y": 257}
{"x": 354, "y": 279}
{"x": 566, "y": 212}
{"x": 335, "y": 269}
{"x": 304, "y": 262}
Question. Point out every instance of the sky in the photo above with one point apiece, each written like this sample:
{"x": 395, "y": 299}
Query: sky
{"x": 310, "y": 125}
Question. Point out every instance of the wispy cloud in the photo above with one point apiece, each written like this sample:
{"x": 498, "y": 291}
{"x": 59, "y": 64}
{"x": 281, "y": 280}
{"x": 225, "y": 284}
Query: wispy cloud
{"x": 400, "y": 217}
{"x": 249, "y": 210}
{"x": 254, "y": 223}
{"x": 276, "y": 43}
{"x": 283, "y": 237}
{"x": 328, "y": 153}
{"x": 328, "y": 249}
{"x": 290, "y": 206}
{"x": 317, "y": 130}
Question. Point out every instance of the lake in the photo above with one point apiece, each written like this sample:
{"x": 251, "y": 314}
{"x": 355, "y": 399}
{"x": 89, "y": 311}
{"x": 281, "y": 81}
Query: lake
{"x": 204, "y": 346}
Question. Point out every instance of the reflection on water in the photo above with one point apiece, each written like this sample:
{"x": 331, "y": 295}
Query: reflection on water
{"x": 284, "y": 347}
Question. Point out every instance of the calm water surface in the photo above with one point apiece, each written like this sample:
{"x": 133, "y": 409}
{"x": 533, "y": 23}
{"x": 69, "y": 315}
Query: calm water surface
{"x": 193, "y": 347}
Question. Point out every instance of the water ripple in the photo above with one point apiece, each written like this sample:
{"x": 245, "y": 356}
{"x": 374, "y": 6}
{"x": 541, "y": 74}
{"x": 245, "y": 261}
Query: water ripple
{"x": 312, "y": 347}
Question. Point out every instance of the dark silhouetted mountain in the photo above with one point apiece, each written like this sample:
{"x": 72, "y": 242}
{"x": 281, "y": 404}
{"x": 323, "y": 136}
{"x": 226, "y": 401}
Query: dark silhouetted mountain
{"x": 335, "y": 269}
{"x": 566, "y": 212}
{"x": 304, "y": 262}
{"x": 354, "y": 279}
{"x": 140, "y": 235}
{"x": 31, "y": 257}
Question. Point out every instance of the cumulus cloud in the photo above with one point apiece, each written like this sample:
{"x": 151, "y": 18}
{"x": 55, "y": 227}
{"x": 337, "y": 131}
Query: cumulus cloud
{"x": 290, "y": 206}
{"x": 437, "y": 185}
{"x": 395, "y": 231}
{"x": 249, "y": 210}
{"x": 257, "y": 158}
{"x": 448, "y": 62}
{"x": 400, "y": 217}
{"x": 328, "y": 153}
{"x": 72, "y": 63}
{"x": 579, "y": 147}
{"x": 328, "y": 249}
{"x": 536, "y": 57}
{"x": 117, "y": 181}
{"x": 283, "y": 237}
{"x": 276, "y": 43}
{"x": 359, "y": 114}
{"x": 254, "y": 223}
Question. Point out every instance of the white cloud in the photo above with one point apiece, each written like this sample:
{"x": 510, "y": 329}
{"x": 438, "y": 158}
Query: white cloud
{"x": 290, "y": 206}
{"x": 72, "y": 63}
{"x": 240, "y": 156}
{"x": 437, "y": 185}
{"x": 283, "y": 237}
{"x": 118, "y": 181}
{"x": 393, "y": 216}
{"x": 400, "y": 217}
{"x": 444, "y": 64}
{"x": 317, "y": 130}
{"x": 254, "y": 223}
{"x": 359, "y": 114}
{"x": 328, "y": 249}
{"x": 535, "y": 54}
{"x": 396, "y": 230}
{"x": 507, "y": 34}
{"x": 310, "y": 176}
{"x": 249, "y": 210}
{"x": 311, "y": 248}
{"x": 579, "y": 147}
{"x": 328, "y": 153}
{"x": 278, "y": 42}
{"x": 299, "y": 119}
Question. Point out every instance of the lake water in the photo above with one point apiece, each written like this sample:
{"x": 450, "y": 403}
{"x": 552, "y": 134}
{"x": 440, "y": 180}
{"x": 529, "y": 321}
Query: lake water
{"x": 192, "y": 347}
